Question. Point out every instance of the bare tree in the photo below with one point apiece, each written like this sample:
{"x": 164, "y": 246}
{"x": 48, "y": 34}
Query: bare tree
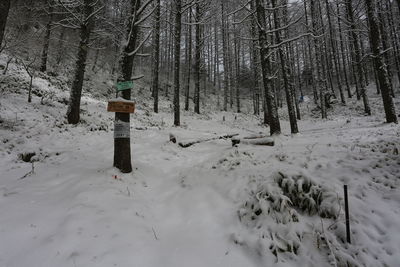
{"x": 122, "y": 146}
{"x": 199, "y": 13}
{"x": 225, "y": 56}
{"x": 357, "y": 56}
{"x": 156, "y": 55}
{"x": 177, "y": 57}
{"x": 375, "y": 41}
{"x": 86, "y": 23}
{"x": 4, "y": 9}
{"x": 275, "y": 127}
{"x": 45, "y": 51}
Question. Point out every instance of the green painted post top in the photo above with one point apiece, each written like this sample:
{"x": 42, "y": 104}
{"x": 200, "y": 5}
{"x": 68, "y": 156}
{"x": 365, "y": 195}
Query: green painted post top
{"x": 121, "y": 86}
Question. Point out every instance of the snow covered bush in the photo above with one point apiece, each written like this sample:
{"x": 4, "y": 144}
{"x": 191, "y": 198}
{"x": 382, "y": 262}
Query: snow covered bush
{"x": 308, "y": 196}
{"x": 284, "y": 212}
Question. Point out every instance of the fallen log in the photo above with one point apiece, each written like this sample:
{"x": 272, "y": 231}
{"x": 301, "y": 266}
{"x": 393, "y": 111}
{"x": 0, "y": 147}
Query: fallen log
{"x": 254, "y": 136}
{"x": 189, "y": 143}
{"x": 264, "y": 141}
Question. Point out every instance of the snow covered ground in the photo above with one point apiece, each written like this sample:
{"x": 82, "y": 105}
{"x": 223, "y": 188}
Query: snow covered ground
{"x": 207, "y": 205}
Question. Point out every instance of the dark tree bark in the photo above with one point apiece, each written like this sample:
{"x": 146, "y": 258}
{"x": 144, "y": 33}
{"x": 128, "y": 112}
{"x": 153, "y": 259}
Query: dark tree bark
{"x": 320, "y": 66}
{"x": 122, "y": 146}
{"x": 334, "y": 56}
{"x": 310, "y": 57}
{"x": 177, "y": 57}
{"x": 385, "y": 46}
{"x": 230, "y": 64}
{"x": 357, "y": 54}
{"x": 170, "y": 53}
{"x": 275, "y": 127}
{"x": 4, "y": 9}
{"x": 156, "y": 56}
{"x": 225, "y": 57}
{"x": 285, "y": 72}
{"x": 189, "y": 60}
{"x": 45, "y": 51}
{"x": 236, "y": 45}
{"x": 60, "y": 46}
{"x": 217, "y": 77}
{"x": 381, "y": 70}
{"x": 73, "y": 113}
{"x": 197, "y": 57}
{"x": 255, "y": 59}
{"x": 342, "y": 51}
{"x": 394, "y": 38}
{"x": 96, "y": 59}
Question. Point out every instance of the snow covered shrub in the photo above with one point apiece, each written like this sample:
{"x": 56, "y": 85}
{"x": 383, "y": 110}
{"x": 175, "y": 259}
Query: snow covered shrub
{"x": 280, "y": 214}
{"x": 308, "y": 196}
{"x": 269, "y": 212}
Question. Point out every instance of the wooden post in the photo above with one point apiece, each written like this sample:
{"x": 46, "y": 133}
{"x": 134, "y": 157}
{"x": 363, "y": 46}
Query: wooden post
{"x": 346, "y": 208}
{"x": 122, "y": 142}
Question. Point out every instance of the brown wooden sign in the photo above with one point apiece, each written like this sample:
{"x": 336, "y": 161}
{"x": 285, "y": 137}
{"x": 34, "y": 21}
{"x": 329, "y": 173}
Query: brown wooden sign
{"x": 121, "y": 106}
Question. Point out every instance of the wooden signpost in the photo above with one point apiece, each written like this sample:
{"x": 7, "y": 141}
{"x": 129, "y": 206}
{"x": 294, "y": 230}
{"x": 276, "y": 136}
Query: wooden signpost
{"x": 122, "y": 129}
{"x": 126, "y": 85}
{"x": 121, "y": 105}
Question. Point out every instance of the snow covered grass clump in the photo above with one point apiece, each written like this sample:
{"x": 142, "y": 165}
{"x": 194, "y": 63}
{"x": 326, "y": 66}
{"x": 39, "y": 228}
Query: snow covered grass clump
{"x": 284, "y": 213}
{"x": 309, "y": 197}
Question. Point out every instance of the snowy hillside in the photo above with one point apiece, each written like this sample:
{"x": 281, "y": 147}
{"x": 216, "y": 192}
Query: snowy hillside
{"x": 211, "y": 204}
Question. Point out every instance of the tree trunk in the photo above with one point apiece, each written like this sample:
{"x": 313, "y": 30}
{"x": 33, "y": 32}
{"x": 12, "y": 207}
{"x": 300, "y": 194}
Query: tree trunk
{"x": 225, "y": 57}
{"x": 60, "y": 46}
{"x": 4, "y": 9}
{"x": 73, "y": 113}
{"x": 236, "y": 45}
{"x": 350, "y": 15}
{"x": 384, "y": 38}
{"x": 197, "y": 59}
{"x": 334, "y": 56}
{"x": 380, "y": 64}
{"x": 285, "y": 73}
{"x": 311, "y": 58}
{"x": 189, "y": 61}
{"x": 216, "y": 64}
{"x": 156, "y": 56}
{"x": 321, "y": 74}
{"x": 177, "y": 58}
{"x": 394, "y": 38}
{"x": 342, "y": 52}
{"x": 255, "y": 57}
{"x": 45, "y": 51}
{"x": 122, "y": 146}
{"x": 273, "y": 119}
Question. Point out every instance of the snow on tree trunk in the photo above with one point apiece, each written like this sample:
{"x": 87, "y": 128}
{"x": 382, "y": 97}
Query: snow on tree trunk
{"x": 375, "y": 41}
{"x": 225, "y": 57}
{"x": 73, "y": 113}
{"x": 45, "y": 51}
{"x": 285, "y": 73}
{"x": 156, "y": 56}
{"x": 357, "y": 55}
{"x": 122, "y": 146}
{"x": 321, "y": 74}
{"x": 4, "y": 9}
{"x": 271, "y": 105}
{"x": 197, "y": 57}
{"x": 189, "y": 59}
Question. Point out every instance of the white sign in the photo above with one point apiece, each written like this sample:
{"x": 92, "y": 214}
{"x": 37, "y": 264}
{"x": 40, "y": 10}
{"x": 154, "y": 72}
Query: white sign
{"x": 122, "y": 129}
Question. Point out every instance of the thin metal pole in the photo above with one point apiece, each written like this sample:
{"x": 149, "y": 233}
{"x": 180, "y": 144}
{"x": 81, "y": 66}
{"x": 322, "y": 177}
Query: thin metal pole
{"x": 346, "y": 208}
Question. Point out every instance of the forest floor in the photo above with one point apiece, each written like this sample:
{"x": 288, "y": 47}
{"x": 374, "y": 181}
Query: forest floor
{"x": 207, "y": 205}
